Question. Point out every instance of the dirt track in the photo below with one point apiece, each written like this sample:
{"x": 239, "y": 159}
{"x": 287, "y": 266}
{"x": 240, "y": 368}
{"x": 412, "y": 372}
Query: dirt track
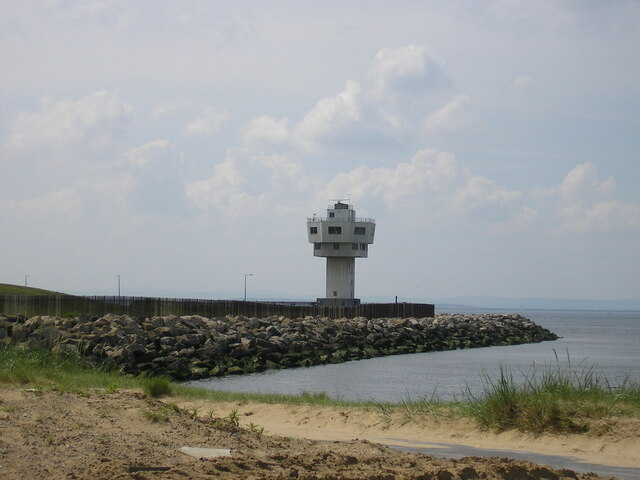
{"x": 124, "y": 435}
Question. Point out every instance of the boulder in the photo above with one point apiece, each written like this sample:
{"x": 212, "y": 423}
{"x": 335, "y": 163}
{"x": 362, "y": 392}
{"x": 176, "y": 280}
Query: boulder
{"x": 194, "y": 346}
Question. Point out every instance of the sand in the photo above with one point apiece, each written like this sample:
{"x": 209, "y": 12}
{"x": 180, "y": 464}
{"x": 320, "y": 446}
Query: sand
{"x": 125, "y": 435}
{"x": 615, "y": 441}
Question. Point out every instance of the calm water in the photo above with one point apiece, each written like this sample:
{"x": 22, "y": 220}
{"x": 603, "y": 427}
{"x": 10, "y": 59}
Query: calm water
{"x": 607, "y": 341}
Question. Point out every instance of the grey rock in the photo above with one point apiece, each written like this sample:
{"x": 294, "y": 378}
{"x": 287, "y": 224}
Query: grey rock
{"x": 194, "y": 346}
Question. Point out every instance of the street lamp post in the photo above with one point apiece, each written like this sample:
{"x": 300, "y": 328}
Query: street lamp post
{"x": 245, "y": 284}
{"x": 118, "y": 284}
{"x": 25, "y": 279}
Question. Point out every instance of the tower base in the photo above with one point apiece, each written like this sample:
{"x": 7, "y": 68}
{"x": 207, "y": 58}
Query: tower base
{"x": 337, "y": 302}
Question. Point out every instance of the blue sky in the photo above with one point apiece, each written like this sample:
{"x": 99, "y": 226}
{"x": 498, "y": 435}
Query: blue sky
{"x": 182, "y": 144}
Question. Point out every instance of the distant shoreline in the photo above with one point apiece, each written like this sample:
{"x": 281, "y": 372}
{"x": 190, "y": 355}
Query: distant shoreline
{"x": 448, "y": 308}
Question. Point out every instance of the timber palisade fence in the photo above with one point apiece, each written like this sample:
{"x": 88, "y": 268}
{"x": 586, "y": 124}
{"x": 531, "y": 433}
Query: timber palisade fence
{"x": 70, "y": 305}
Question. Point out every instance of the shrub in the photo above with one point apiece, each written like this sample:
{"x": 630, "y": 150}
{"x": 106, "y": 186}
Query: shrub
{"x": 156, "y": 387}
{"x": 558, "y": 400}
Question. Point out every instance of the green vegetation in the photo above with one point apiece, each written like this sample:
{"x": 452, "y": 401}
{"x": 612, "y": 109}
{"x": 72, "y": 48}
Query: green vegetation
{"x": 156, "y": 387}
{"x": 234, "y": 418}
{"x": 8, "y": 289}
{"x": 41, "y": 369}
{"x": 556, "y": 400}
{"x": 156, "y": 415}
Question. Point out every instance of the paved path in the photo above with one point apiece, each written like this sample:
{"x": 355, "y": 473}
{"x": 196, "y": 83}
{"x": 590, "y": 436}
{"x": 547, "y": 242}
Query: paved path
{"x": 451, "y": 450}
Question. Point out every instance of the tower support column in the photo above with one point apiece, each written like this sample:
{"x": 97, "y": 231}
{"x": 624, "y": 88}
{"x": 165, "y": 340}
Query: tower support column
{"x": 341, "y": 276}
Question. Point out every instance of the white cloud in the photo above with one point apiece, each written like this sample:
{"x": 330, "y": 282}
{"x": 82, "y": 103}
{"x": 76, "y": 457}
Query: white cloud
{"x": 247, "y": 183}
{"x": 267, "y": 130}
{"x": 95, "y": 122}
{"x": 493, "y": 207}
{"x": 346, "y": 120}
{"x": 207, "y": 123}
{"x": 219, "y": 190}
{"x": 282, "y": 169}
{"x": 582, "y": 184}
{"x": 609, "y": 215}
{"x": 583, "y": 202}
{"x": 108, "y": 193}
{"x": 145, "y": 154}
{"x": 428, "y": 173}
{"x": 522, "y": 82}
{"x": 581, "y": 188}
{"x": 167, "y": 107}
{"x": 331, "y": 118}
{"x": 432, "y": 184}
{"x": 159, "y": 187}
{"x": 406, "y": 70}
{"x": 453, "y": 116}
{"x": 365, "y": 117}
{"x": 63, "y": 202}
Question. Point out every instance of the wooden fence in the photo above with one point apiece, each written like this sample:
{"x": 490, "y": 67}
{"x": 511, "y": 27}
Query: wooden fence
{"x": 60, "y": 305}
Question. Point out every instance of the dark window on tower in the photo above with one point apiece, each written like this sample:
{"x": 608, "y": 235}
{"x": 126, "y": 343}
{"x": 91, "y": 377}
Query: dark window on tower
{"x": 354, "y": 246}
{"x": 332, "y": 214}
{"x": 360, "y": 230}
{"x": 363, "y": 246}
{"x": 335, "y": 230}
{"x": 313, "y": 229}
{"x": 316, "y": 246}
{"x": 336, "y": 246}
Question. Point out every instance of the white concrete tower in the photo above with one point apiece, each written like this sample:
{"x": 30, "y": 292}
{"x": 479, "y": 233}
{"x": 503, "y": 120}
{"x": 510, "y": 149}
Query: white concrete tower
{"x": 341, "y": 238}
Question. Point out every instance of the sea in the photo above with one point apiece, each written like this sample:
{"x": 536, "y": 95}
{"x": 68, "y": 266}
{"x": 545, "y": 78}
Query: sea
{"x": 603, "y": 344}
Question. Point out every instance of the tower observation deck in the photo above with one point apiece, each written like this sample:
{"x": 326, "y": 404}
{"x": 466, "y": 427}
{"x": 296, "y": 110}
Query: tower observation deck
{"x": 341, "y": 238}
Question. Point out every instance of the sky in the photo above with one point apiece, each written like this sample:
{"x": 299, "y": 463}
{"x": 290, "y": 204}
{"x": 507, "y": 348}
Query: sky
{"x": 182, "y": 144}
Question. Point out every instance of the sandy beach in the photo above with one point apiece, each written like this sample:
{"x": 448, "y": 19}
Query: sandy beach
{"x": 613, "y": 442}
{"x": 124, "y": 435}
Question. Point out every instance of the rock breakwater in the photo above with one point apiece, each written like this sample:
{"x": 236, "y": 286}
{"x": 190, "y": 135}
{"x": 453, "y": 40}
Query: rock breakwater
{"x": 191, "y": 347}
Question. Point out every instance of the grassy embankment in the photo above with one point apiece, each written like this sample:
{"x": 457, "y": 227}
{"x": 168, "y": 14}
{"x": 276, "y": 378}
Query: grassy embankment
{"x": 555, "y": 401}
{"x": 8, "y": 289}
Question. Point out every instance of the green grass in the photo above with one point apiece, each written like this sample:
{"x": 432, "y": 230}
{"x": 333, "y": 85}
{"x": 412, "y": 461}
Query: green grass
{"x": 156, "y": 387}
{"x": 156, "y": 415}
{"x": 560, "y": 400}
{"x": 8, "y": 289}
{"x": 319, "y": 399}
{"x": 555, "y": 400}
{"x": 39, "y": 368}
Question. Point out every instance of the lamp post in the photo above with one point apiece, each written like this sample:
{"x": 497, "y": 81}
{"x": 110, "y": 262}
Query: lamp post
{"x": 245, "y": 284}
{"x": 25, "y": 279}
{"x": 118, "y": 284}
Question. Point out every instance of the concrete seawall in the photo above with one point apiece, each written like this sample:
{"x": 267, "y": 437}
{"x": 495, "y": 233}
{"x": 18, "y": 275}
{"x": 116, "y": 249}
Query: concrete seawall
{"x": 191, "y": 347}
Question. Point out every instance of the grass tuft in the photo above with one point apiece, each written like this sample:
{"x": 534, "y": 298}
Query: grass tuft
{"x": 156, "y": 415}
{"x": 559, "y": 400}
{"x": 42, "y": 369}
{"x": 156, "y": 387}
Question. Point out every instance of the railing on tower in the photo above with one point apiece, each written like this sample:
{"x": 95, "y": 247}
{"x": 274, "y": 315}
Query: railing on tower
{"x": 333, "y": 219}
